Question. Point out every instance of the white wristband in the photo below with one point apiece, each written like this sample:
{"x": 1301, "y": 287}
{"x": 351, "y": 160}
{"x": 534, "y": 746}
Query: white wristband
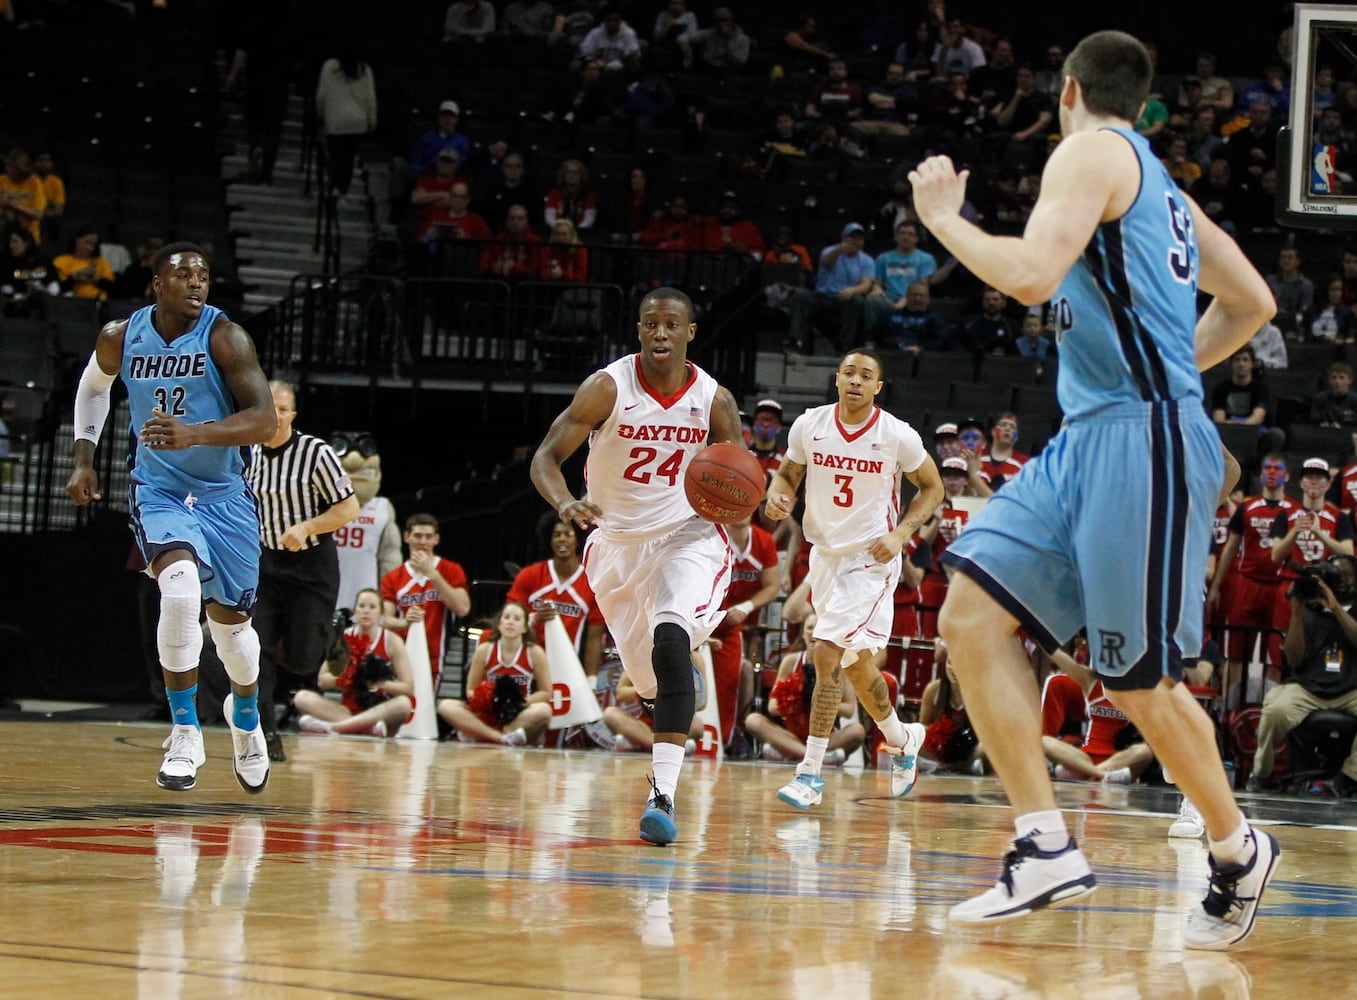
{"x": 746, "y": 606}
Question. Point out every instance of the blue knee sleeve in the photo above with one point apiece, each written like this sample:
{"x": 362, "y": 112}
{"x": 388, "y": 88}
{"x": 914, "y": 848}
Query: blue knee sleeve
{"x": 672, "y": 660}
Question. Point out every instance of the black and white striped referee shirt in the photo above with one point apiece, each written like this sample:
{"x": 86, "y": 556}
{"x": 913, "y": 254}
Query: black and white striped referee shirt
{"x": 295, "y": 482}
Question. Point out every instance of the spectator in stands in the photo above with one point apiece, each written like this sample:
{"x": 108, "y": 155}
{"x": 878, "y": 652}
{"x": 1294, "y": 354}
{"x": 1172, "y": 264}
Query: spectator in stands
{"x": 766, "y": 429}
{"x": 516, "y": 251}
{"x": 1294, "y": 292}
{"x": 81, "y": 270}
{"x": 1217, "y": 194}
{"x": 1333, "y": 322}
{"x": 1202, "y": 139}
{"x": 54, "y": 189}
{"x": 572, "y": 24}
{"x": 1153, "y": 118}
{"x": 135, "y": 280}
{"x": 1253, "y": 150}
{"x": 673, "y": 27}
{"x": 887, "y": 107}
{"x": 1349, "y": 272}
{"x": 1216, "y": 91}
{"x": 528, "y": 19}
{"x": 917, "y": 326}
{"x": 770, "y": 151}
{"x": 1034, "y": 343}
{"x": 1315, "y": 530}
{"x": 995, "y": 82}
{"x": 732, "y": 232}
{"x": 23, "y": 199}
{"x": 785, "y": 250}
{"x": 915, "y": 53}
{"x": 468, "y": 21}
{"x": 801, "y": 49}
{"x": 377, "y": 687}
{"x": 444, "y": 135}
{"x": 1004, "y": 460}
{"x": 510, "y": 186}
{"x": 649, "y": 101}
{"x": 629, "y": 211}
{"x": 897, "y": 269}
{"x": 993, "y": 330}
{"x": 835, "y": 99}
{"x": 1189, "y": 102}
{"x": 1323, "y": 93}
{"x": 1050, "y": 79}
{"x": 565, "y": 258}
{"x": 571, "y": 198}
{"x": 1184, "y": 170}
{"x": 595, "y": 100}
{"x": 1026, "y": 118}
{"x": 613, "y": 44}
{"x": 509, "y": 686}
{"x": 1269, "y": 346}
{"x": 1336, "y": 407}
{"x": 429, "y": 198}
{"x": 27, "y": 277}
{"x": 845, "y": 278}
{"x": 675, "y": 228}
{"x": 346, "y": 107}
{"x": 453, "y": 218}
{"x": 723, "y": 47}
{"x": 1273, "y": 88}
{"x": 1243, "y": 398}
{"x": 1320, "y": 651}
{"x": 428, "y": 582}
{"x": 955, "y": 53}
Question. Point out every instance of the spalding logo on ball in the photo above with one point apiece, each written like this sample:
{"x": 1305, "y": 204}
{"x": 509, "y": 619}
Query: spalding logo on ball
{"x": 724, "y": 483}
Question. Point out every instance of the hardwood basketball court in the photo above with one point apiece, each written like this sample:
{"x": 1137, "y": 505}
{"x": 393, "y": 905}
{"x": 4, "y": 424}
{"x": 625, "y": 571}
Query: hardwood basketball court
{"x": 405, "y": 869}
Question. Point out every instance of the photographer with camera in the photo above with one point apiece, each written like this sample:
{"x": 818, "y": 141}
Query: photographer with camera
{"x": 377, "y": 687}
{"x": 1321, "y": 651}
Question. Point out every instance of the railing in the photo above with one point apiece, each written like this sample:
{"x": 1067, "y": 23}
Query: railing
{"x": 470, "y": 330}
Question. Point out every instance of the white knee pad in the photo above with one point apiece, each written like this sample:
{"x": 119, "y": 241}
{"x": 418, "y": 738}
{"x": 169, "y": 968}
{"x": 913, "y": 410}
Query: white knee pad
{"x": 238, "y": 647}
{"x": 178, "y": 637}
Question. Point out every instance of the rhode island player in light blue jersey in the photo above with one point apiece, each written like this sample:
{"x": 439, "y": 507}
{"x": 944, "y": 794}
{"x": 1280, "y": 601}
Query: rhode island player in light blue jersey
{"x": 1109, "y": 527}
{"x": 198, "y": 399}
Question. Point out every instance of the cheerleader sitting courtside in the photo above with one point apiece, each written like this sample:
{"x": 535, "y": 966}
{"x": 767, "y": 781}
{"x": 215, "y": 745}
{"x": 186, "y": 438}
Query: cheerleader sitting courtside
{"x": 509, "y": 684}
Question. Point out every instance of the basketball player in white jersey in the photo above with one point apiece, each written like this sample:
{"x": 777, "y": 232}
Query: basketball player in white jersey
{"x": 851, "y": 454}
{"x": 659, "y": 571}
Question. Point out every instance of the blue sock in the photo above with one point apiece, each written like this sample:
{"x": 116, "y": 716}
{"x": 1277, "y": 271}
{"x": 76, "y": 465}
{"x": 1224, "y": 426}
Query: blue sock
{"x": 184, "y": 706}
{"x": 245, "y": 711}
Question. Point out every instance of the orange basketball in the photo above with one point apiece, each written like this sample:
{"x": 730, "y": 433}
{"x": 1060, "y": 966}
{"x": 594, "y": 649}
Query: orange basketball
{"x": 724, "y": 483}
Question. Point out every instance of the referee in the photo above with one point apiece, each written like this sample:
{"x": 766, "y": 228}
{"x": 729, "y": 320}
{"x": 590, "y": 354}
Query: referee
{"x": 303, "y": 494}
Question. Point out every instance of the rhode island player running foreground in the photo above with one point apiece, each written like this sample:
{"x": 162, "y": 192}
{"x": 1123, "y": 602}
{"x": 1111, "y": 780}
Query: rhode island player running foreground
{"x": 1109, "y": 527}
{"x": 198, "y": 398}
{"x": 659, "y": 571}
{"x": 851, "y": 455}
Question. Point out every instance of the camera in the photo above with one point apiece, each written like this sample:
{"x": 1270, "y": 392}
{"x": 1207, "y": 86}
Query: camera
{"x": 1308, "y": 576}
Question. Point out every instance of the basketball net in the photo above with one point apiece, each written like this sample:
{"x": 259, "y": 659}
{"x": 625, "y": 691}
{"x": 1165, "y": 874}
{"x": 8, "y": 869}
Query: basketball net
{"x": 572, "y": 698}
{"x": 424, "y": 725}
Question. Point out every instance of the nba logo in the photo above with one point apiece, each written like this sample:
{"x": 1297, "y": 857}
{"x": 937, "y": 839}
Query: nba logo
{"x": 1322, "y": 177}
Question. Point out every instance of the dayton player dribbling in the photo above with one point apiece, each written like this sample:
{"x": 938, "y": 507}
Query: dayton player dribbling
{"x": 851, "y": 455}
{"x": 659, "y": 571}
{"x": 198, "y": 395}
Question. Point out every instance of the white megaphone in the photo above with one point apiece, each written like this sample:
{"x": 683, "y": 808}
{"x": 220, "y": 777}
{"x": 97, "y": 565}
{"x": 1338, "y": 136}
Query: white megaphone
{"x": 572, "y": 698}
{"x": 424, "y": 725}
{"x": 710, "y": 746}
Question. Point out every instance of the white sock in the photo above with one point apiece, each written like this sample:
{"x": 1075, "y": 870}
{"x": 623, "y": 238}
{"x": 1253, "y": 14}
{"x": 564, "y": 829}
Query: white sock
{"x": 1047, "y": 829}
{"x": 894, "y": 730}
{"x": 1237, "y": 848}
{"x": 666, "y": 760}
{"x": 815, "y": 754}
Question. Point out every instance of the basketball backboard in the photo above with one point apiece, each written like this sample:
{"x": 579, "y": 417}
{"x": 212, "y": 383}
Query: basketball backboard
{"x": 1316, "y": 187}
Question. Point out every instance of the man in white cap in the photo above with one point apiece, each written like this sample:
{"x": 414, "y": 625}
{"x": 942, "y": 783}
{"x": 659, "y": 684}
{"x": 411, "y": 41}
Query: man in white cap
{"x": 845, "y": 278}
{"x": 444, "y": 135}
{"x": 1316, "y": 530}
{"x": 766, "y": 427}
